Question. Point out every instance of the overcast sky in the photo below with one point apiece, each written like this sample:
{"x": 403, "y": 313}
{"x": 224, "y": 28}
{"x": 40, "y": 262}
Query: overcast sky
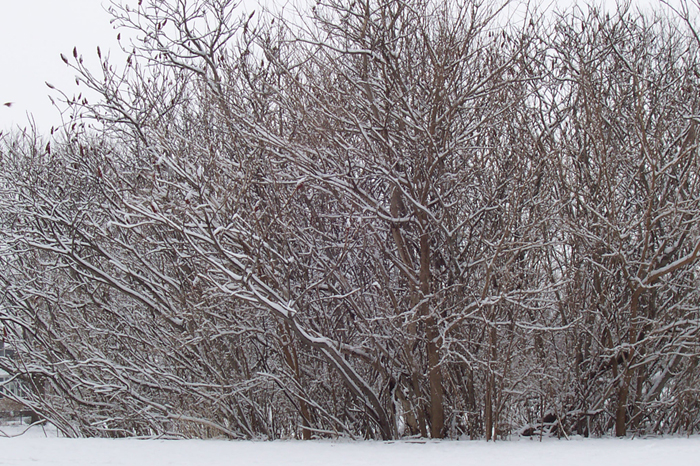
{"x": 33, "y": 34}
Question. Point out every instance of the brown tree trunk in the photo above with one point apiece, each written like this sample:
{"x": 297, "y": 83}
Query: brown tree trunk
{"x": 432, "y": 334}
{"x": 437, "y": 416}
{"x": 626, "y": 375}
{"x": 621, "y": 417}
{"x": 488, "y": 410}
{"x": 292, "y": 360}
{"x": 489, "y": 414}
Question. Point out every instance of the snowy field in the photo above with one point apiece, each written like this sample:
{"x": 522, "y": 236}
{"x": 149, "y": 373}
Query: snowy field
{"x": 35, "y": 448}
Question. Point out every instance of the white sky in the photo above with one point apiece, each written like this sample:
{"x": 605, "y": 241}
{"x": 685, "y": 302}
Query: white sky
{"x": 33, "y": 34}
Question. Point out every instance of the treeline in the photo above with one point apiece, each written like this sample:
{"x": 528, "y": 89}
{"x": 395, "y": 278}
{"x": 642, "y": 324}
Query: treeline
{"x": 377, "y": 219}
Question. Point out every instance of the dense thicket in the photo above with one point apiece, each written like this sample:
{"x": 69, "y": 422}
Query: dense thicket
{"x": 386, "y": 219}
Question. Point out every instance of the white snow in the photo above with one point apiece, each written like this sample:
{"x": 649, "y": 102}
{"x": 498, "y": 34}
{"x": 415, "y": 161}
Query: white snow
{"x": 36, "y": 449}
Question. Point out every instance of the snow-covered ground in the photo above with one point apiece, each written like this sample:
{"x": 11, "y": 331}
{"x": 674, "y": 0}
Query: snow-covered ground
{"x": 34, "y": 448}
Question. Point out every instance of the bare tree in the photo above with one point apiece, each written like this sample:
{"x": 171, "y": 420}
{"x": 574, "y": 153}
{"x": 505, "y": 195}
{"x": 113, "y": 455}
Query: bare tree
{"x": 384, "y": 219}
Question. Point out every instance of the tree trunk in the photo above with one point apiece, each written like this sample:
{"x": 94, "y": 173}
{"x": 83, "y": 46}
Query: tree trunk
{"x": 621, "y": 417}
{"x": 432, "y": 334}
{"x": 488, "y": 410}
